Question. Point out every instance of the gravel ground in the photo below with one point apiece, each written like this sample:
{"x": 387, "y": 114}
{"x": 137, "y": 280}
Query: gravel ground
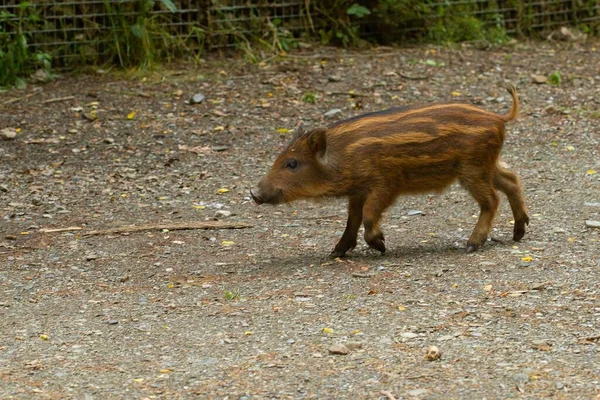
{"x": 257, "y": 313}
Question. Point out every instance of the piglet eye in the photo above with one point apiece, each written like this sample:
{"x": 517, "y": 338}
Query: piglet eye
{"x": 291, "y": 163}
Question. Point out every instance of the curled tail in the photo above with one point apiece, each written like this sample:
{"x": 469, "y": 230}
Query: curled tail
{"x": 515, "y": 107}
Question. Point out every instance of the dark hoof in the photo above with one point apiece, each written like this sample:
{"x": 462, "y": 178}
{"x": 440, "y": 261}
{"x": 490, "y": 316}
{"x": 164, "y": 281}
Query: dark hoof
{"x": 519, "y": 230}
{"x": 336, "y": 254}
{"x": 377, "y": 244}
{"x": 471, "y": 248}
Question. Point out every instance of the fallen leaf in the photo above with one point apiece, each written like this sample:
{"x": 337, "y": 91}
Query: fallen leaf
{"x": 327, "y": 330}
{"x": 44, "y": 337}
{"x": 570, "y": 148}
{"x": 401, "y": 308}
{"x": 527, "y": 259}
{"x": 283, "y": 130}
{"x": 131, "y": 115}
{"x": 455, "y": 93}
{"x": 222, "y": 190}
{"x": 487, "y": 288}
{"x": 590, "y": 172}
{"x": 227, "y": 242}
{"x": 248, "y": 333}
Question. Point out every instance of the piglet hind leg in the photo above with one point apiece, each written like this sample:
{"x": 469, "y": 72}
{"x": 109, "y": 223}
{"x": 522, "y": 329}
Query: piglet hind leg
{"x": 348, "y": 240}
{"x": 483, "y": 192}
{"x": 507, "y": 182}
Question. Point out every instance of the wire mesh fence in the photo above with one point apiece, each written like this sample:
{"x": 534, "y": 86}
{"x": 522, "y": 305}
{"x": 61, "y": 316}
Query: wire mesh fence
{"x": 90, "y": 31}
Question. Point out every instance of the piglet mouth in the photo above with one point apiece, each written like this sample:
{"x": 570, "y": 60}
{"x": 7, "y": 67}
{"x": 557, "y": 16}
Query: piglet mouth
{"x": 259, "y": 197}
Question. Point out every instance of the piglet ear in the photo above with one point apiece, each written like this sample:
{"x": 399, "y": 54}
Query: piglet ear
{"x": 317, "y": 141}
{"x": 299, "y": 130}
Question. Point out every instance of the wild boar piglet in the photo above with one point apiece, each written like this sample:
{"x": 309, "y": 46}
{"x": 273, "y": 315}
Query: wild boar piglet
{"x": 373, "y": 158}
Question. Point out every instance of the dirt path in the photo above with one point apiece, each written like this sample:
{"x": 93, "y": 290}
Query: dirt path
{"x": 253, "y": 313}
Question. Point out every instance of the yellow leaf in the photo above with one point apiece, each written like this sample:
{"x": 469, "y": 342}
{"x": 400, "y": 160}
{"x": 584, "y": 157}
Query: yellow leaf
{"x": 24, "y": 233}
{"x": 170, "y": 285}
{"x": 571, "y": 239}
{"x": 401, "y": 308}
{"x": 527, "y": 259}
{"x": 162, "y": 198}
{"x": 455, "y": 93}
{"x": 269, "y": 94}
{"x": 199, "y": 207}
{"x": 454, "y": 285}
{"x": 554, "y": 144}
{"x": 570, "y": 148}
{"x": 487, "y": 288}
{"x": 590, "y": 172}
{"x": 222, "y": 190}
{"x": 248, "y": 333}
{"x": 18, "y": 130}
{"x": 138, "y": 380}
{"x": 327, "y": 330}
{"x": 124, "y": 195}
{"x": 394, "y": 97}
{"x": 44, "y": 337}
{"x": 165, "y": 371}
{"x": 227, "y": 242}
{"x": 283, "y": 130}
{"x": 219, "y": 128}
{"x": 131, "y": 115}
{"x": 355, "y": 332}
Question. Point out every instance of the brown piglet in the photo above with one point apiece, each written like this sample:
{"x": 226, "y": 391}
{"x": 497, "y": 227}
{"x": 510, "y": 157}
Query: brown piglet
{"x": 374, "y": 158}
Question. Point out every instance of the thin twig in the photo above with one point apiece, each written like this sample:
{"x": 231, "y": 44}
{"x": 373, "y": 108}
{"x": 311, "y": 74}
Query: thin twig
{"x": 54, "y": 230}
{"x": 388, "y": 394}
{"x": 348, "y": 94}
{"x": 172, "y": 226}
{"x": 20, "y": 98}
{"x": 57, "y": 99}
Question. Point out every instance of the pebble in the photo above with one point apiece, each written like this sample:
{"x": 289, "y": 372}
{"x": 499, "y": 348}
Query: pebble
{"x": 521, "y": 378}
{"x": 197, "y": 98}
{"x": 222, "y": 214}
{"x": 219, "y": 148}
{"x": 414, "y": 212}
{"x": 332, "y": 113}
{"x": 90, "y": 257}
{"x": 334, "y": 78}
{"x": 108, "y": 140}
{"x": 354, "y": 346}
{"x": 339, "y": 349}
{"x": 539, "y": 79}
{"x": 433, "y": 353}
{"x": 3, "y": 188}
{"x": 409, "y": 335}
{"x": 113, "y": 322}
{"x": 10, "y": 133}
{"x": 417, "y": 392}
{"x": 592, "y": 224}
{"x": 587, "y": 203}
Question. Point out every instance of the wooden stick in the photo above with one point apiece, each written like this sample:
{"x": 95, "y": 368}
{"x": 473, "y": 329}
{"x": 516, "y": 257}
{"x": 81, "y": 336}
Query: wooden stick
{"x": 388, "y": 394}
{"x": 348, "y": 94}
{"x": 172, "y": 226}
{"x": 20, "y": 98}
{"x": 57, "y": 99}
{"x": 54, "y": 230}
{"x": 413, "y": 78}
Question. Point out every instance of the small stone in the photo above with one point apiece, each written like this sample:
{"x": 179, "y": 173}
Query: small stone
{"x": 332, "y": 113}
{"x": 587, "y": 203}
{"x": 559, "y": 385}
{"x": 339, "y": 349}
{"x": 91, "y": 256}
{"x": 433, "y": 353}
{"x": 521, "y": 378}
{"x": 3, "y": 188}
{"x": 334, "y": 78}
{"x": 222, "y": 214}
{"x": 592, "y": 224}
{"x": 409, "y": 335}
{"x": 108, "y": 140}
{"x": 445, "y": 338}
{"x": 112, "y": 322}
{"x": 354, "y": 346}
{"x": 417, "y": 392}
{"x": 410, "y": 213}
{"x": 197, "y": 98}
{"x": 219, "y": 148}
{"x": 8, "y": 133}
{"x": 539, "y": 79}
{"x": 10, "y": 237}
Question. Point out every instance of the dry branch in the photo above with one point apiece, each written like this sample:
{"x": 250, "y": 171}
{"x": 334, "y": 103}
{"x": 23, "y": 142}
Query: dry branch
{"x": 173, "y": 226}
{"x": 57, "y": 99}
{"x": 54, "y": 230}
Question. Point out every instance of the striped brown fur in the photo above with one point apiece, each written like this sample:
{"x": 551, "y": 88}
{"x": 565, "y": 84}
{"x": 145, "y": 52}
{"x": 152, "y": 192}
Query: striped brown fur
{"x": 374, "y": 158}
